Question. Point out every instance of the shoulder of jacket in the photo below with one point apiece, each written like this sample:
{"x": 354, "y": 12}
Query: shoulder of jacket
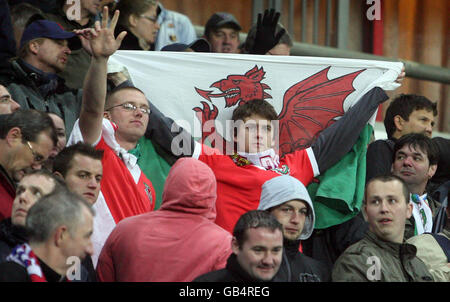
{"x": 361, "y": 248}
{"x": 421, "y": 240}
{"x": 10, "y": 73}
{"x": 215, "y": 276}
{"x": 382, "y": 143}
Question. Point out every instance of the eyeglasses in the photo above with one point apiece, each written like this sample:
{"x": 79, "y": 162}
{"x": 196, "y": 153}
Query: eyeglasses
{"x": 131, "y": 108}
{"x": 153, "y": 19}
{"x": 37, "y": 157}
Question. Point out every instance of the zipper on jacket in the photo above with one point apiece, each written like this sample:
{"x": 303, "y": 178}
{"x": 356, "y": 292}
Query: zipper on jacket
{"x": 410, "y": 279}
{"x": 46, "y": 105}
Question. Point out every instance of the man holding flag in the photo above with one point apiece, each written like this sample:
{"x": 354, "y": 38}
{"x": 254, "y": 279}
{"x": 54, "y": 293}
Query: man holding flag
{"x": 240, "y": 176}
{"x": 241, "y": 173}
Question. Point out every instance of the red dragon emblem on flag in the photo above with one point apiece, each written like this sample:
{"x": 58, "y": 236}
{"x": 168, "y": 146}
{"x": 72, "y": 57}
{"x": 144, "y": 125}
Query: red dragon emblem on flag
{"x": 309, "y": 106}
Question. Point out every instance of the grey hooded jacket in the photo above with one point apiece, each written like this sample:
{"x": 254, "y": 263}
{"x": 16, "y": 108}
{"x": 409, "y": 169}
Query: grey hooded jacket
{"x": 298, "y": 267}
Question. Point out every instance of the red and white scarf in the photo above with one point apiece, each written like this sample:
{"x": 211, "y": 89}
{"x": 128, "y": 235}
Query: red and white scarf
{"x": 23, "y": 255}
{"x": 267, "y": 160}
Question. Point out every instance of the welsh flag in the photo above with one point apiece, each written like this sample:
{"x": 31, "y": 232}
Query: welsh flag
{"x": 309, "y": 94}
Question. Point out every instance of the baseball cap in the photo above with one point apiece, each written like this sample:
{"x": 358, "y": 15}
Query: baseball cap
{"x": 51, "y": 30}
{"x": 199, "y": 45}
{"x": 220, "y": 19}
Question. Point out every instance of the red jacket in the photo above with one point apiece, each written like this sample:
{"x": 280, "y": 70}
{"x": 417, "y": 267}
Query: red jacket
{"x": 7, "y": 194}
{"x": 176, "y": 243}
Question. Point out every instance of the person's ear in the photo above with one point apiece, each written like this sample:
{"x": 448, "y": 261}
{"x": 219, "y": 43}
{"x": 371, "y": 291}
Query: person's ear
{"x": 431, "y": 171}
{"x": 60, "y": 235}
{"x": 59, "y": 175}
{"x": 399, "y": 123}
{"x": 409, "y": 210}
{"x": 33, "y": 47}
{"x": 133, "y": 20}
{"x": 364, "y": 211}
{"x": 234, "y": 246}
{"x": 13, "y": 136}
{"x": 107, "y": 115}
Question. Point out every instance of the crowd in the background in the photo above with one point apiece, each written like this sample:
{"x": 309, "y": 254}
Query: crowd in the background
{"x": 87, "y": 168}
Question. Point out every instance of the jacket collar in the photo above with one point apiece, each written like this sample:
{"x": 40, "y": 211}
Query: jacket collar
{"x": 12, "y": 234}
{"x": 46, "y": 83}
{"x": 163, "y": 13}
{"x": 50, "y": 274}
{"x": 238, "y": 272}
{"x": 403, "y": 249}
{"x": 291, "y": 247}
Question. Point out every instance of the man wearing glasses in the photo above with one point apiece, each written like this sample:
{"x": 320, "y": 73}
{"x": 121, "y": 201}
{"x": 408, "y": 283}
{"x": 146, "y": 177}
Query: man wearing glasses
{"x": 27, "y": 137}
{"x": 113, "y": 123}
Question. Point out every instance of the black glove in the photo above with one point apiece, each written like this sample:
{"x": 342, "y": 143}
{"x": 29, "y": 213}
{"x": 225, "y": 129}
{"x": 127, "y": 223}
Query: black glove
{"x": 265, "y": 38}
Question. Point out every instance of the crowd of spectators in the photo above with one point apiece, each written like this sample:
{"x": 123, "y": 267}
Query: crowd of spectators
{"x": 87, "y": 170}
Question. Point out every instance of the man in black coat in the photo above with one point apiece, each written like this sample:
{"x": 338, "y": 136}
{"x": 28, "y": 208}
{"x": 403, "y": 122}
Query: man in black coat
{"x": 257, "y": 246}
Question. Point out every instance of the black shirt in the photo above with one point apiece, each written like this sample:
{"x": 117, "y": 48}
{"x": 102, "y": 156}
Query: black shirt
{"x": 14, "y": 272}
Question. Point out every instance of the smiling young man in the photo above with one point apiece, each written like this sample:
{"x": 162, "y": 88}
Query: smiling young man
{"x": 382, "y": 254}
{"x": 415, "y": 161}
{"x": 257, "y": 247}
